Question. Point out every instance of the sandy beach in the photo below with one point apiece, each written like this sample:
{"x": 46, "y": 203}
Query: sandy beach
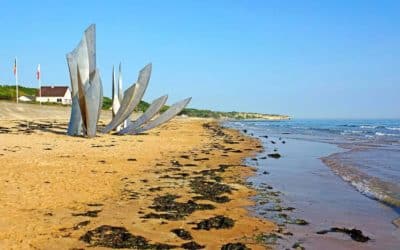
{"x": 183, "y": 183}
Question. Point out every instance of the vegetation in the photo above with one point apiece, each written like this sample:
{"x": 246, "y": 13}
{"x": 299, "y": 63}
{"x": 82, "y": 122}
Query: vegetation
{"x": 8, "y": 93}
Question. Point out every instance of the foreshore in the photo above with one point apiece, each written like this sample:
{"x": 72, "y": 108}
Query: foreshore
{"x": 178, "y": 186}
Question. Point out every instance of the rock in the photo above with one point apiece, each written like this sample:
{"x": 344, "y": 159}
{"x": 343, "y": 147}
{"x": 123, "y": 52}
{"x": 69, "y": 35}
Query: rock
{"x": 274, "y": 155}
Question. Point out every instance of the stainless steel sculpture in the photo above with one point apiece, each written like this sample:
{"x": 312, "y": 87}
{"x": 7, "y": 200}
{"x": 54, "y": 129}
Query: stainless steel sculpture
{"x": 163, "y": 118}
{"x": 87, "y": 91}
{"x": 132, "y": 97}
{"x": 151, "y": 111}
{"x": 87, "y": 95}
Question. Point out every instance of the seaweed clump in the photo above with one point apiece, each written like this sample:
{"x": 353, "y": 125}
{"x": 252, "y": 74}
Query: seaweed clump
{"x": 217, "y": 222}
{"x": 209, "y": 190}
{"x": 119, "y": 237}
{"x": 182, "y": 233}
{"x": 175, "y": 210}
{"x": 355, "y": 234}
{"x": 234, "y": 246}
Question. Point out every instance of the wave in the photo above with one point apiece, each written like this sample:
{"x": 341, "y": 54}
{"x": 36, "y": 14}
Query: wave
{"x": 385, "y": 134}
{"x": 372, "y": 187}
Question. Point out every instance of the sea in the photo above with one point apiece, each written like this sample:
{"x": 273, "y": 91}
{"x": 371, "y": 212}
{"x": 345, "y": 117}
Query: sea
{"x": 336, "y": 173}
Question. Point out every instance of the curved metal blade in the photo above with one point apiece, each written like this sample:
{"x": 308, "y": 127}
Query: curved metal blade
{"x": 153, "y": 109}
{"x": 164, "y": 117}
{"x": 132, "y": 97}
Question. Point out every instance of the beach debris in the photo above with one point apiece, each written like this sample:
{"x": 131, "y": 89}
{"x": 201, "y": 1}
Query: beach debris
{"x": 298, "y": 246}
{"x": 81, "y": 224}
{"x": 273, "y": 142}
{"x": 92, "y": 213}
{"x": 217, "y": 222}
{"x": 355, "y": 234}
{"x": 299, "y": 222}
{"x": 274, "y": 155}
{"x": 210, "y": 190}
{"x": 396, "y": 222}
{"x": 182, "y": 233}
{"x": 234, "y": 246}
{"x": 267, "y": 239}
{"x": 119, "y": 237}
{"x": 174, "y": 210}
{"x": 94, "y": 204}
{"x": 192, "y": 246}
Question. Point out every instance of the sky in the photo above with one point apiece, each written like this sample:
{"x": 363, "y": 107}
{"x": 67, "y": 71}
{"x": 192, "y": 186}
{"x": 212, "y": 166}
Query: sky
{"x": 306, "y": 59}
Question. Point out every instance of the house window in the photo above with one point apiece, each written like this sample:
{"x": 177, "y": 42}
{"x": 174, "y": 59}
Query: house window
{"x": 59, "y": 100}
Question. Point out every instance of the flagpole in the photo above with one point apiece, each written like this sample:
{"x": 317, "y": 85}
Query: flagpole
{"x": 39, "y": 76}
{"x": 16, "y": 78}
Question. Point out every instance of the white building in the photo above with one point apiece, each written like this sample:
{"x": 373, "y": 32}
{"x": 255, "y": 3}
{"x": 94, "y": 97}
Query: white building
{"x": 55, "y": 94}
{"x": 26, "y": 98}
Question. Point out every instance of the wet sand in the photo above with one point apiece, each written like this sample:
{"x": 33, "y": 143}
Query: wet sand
{"x": 319, "y": 197}
{"x": 60, "y": 192}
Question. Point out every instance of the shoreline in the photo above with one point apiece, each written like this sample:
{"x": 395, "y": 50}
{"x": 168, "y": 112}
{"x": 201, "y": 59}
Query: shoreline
{"x": 299, "y": 185}
{"x": 186, "y": 176}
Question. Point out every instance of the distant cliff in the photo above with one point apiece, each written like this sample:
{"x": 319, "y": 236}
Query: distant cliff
{"x": 232, "y": 115}
{"x": 256, "y": 116}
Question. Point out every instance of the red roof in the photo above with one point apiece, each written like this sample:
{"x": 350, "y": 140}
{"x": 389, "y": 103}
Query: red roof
{"x": 53, "y": 91}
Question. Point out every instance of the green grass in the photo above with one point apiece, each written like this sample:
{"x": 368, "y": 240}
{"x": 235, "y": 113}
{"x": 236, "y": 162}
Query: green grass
{"x": 8, "y": 92}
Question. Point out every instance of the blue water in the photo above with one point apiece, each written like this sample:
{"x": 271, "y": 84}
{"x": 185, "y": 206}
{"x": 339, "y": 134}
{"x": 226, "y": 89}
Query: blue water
{"x": 378, "y": 131}
{"x": 343, "y": 173}
{"x": 371, "y": 161}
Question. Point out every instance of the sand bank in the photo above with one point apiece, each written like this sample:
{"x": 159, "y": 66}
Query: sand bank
{"x": 60, "y": 192}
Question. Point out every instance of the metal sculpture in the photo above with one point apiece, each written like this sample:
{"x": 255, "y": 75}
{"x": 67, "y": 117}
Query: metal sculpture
{"x": 87, "y": 95}
{"x": 132, "y": 97}
{"x": 151, "y": 111}
{"x": 87, "y": 91}
{"x": 163, "y": 118}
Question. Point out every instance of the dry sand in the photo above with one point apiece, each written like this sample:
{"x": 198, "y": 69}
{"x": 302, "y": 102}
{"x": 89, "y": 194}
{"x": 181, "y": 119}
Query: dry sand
{"x": 49, "y": 182}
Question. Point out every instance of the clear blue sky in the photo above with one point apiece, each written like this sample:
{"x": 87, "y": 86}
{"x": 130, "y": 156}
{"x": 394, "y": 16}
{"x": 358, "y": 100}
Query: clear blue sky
{"x": 310, "y": 59}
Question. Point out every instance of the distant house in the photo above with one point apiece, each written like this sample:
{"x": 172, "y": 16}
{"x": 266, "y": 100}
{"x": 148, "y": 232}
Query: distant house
{"x": 54, "y": 94}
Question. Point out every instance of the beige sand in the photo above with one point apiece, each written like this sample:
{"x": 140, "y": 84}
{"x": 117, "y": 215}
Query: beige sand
{"x": 46, "y": 177}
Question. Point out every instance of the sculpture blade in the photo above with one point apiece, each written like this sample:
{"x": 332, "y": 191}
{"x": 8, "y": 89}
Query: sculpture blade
{"x": 164, "y": 117}
{"x": 120, "y": 94}
{"x": 90, "y": 37}
{"x": 132, "y": 97}
{"x": 115, "y": 98}
{"x": 93, "y": 96}
{"x": 84, "y": 58}
{"x": 153, "y": 109}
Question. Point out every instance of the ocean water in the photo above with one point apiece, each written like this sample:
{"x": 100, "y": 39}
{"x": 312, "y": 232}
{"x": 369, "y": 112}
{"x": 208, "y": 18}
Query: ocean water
{"x": 335, "y": 173}
{"x": 370, "y": 161}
